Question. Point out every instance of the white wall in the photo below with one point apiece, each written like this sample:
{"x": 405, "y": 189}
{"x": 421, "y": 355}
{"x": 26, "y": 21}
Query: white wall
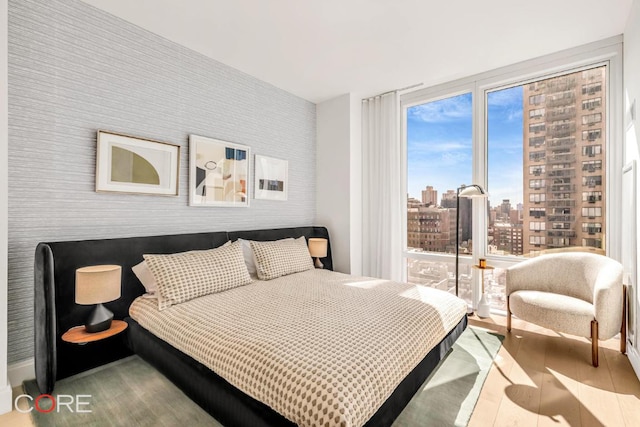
{"x": 356, "y": 184}
{"x": 632, "y": 140}
{"x": 338, "y": 181}
{"x": 333, "y": 157}
{"x": 5, "y": 388}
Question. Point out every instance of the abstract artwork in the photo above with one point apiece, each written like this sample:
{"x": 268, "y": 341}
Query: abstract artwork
{"x": 127, "y": 164}
{"x": 218, "y": 172}
{"x": 271, "y": 178}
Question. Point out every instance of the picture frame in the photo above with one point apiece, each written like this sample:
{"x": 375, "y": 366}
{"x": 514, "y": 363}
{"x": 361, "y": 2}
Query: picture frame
{"x": 218, "y": 172}
{"x": 271, "y": 178}
{"x": 129, "y": 164}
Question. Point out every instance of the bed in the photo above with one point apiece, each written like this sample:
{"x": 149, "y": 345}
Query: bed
{"x": 241, "y": 373}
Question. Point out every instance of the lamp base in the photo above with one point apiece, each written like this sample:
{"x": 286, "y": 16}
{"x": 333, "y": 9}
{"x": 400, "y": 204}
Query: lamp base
{"x": 484, "y": 308}
{"x": 99, "y": 320}
{"x": 318, "y": 264}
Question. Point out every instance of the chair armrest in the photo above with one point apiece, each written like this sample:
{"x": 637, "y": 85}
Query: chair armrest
{"x": 517, "y": 276}
{"x": 607, "y": 299}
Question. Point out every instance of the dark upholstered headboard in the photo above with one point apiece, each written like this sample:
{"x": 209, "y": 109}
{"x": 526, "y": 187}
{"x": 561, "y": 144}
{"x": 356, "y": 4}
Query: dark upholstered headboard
{"x": 56, "y": 310}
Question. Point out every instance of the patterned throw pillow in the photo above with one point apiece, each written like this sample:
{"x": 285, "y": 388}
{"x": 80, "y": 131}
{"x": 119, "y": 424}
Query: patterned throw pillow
{"x": 187, "y": 275}
{"x": 281, "y": 257}
{"x": 249, "y": 258}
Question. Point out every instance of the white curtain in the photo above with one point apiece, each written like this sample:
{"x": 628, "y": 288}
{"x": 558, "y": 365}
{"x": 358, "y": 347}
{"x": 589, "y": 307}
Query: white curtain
{"x": 382, "y": 187}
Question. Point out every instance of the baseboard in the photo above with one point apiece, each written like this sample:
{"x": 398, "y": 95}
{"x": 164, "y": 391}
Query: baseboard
{"x": 634, "y": 358}
{"x": 6, "y": 397}
{"x": 20, "y": 371}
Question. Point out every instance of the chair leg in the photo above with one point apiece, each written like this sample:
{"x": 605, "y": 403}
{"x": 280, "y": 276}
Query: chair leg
{"x": 623, "y": 328}
{"x": 508, "y": 316}
{"x": 594, "y": 342}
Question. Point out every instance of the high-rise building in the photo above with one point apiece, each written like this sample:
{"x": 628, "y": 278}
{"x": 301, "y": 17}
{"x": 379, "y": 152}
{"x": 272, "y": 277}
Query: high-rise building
{"x": 430, "y": 196}
{"x": 564, "y": 155}
{"x": 504, "y": 211}
{"x": 449, "y": 200}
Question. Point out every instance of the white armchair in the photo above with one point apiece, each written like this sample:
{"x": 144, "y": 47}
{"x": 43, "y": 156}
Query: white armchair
{"x": 575, "y": 293}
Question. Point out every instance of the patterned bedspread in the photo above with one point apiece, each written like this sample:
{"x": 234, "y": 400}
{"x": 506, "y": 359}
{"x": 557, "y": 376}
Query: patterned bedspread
{"x": 319, "y": 347}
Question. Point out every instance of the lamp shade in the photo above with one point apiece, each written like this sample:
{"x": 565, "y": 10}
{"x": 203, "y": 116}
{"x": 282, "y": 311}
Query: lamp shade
{"x": 318, "y": 247}
{"x": 97, "y": 284}
{"x": 472, "y": 191}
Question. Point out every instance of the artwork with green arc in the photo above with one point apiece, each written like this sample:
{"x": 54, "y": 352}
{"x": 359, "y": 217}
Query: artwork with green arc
{"x": 127, "y": 166}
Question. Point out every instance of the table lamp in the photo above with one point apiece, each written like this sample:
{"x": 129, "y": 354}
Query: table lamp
{"x": 318, "y": 249}
{"x": 97, "y": 284}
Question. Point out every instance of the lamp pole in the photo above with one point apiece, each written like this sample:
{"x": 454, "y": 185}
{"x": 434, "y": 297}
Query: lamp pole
{"x": 472, "y": 190}
{"x": 457, "y": 233}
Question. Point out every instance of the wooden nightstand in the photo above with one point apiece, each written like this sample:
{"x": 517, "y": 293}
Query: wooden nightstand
{"x": 79, "y": 335}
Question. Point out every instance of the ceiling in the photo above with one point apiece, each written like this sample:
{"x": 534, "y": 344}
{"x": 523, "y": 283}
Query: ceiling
{"x": 319, "y": 49}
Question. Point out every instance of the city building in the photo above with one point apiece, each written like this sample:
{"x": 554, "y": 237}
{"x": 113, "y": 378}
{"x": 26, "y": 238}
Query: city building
{"x": 448, "y": 199}
{"x": 564, "y": 130}
{"x": 507, "y": 238}
{"x": 413, "y": 202}
{"x": 431, "y": 228}
{"x": 430, "y": 196}
{"x": 504, "y": 211}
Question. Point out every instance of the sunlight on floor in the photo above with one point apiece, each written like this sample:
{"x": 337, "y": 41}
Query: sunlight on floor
{"x": 543, "y": 378}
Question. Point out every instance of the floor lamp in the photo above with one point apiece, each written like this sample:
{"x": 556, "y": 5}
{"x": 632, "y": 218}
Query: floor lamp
{"x": 465, "y": 191}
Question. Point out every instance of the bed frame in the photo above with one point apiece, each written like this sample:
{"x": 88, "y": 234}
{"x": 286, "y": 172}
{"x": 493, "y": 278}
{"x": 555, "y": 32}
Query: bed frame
{"x": 56, "y": 312}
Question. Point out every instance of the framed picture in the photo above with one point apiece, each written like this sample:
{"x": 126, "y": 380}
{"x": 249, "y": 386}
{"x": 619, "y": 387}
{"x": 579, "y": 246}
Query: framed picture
{"x": 271, "y": 178}
{"x": 218, "y": 173}
{"x": 126, "y": 164}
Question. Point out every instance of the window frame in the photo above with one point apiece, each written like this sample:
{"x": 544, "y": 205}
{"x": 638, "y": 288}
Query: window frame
{"x": 605, "y": 52}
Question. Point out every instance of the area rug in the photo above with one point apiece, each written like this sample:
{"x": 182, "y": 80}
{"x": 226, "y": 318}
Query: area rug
{"x": 129, "y": 392}
{"x": 449, "y": 395}
{"x": 132, "y": 393}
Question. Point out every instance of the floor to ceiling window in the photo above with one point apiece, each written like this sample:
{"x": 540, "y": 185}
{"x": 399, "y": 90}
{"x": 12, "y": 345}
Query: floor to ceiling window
{"x": 439, "y": 159}
{"x": 546, "y": 178}
{"x": 538, "y": 144}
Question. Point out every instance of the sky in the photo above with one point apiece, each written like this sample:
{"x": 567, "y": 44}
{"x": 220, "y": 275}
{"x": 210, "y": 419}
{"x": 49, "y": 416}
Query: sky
{"x": 439, "y": 145}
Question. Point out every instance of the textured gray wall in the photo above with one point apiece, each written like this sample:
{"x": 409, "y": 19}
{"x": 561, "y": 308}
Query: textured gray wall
{"x": 74, "y": 69}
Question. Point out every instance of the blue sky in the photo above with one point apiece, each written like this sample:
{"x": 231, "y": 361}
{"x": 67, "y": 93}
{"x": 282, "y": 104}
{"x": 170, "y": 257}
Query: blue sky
{"x": 439, "y": 145}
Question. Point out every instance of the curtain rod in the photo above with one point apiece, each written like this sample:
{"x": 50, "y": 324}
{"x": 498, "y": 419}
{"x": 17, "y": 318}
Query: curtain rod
{"x": 396, "y": 90}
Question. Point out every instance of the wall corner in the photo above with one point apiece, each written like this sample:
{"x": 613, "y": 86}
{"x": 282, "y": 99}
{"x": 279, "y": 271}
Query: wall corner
{"x": 338, "y": 179}
{"x": 5, "y": 388}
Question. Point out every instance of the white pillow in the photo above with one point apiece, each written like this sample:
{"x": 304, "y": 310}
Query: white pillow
{"x": 249, "y": 259}
{"x": 145, "y": 276}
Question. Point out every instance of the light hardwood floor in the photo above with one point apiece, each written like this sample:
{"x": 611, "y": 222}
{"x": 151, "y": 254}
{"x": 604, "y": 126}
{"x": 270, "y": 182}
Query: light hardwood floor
{"x": 543, "y": 378}
{"x": 539, "y": 378}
